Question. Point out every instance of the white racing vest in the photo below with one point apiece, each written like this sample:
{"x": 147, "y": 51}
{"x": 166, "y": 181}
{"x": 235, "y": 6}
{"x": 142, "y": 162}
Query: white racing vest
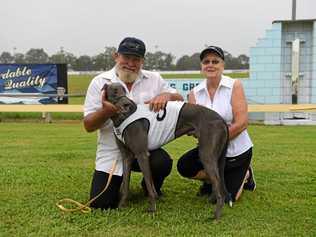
{"x": 162, "y": 124}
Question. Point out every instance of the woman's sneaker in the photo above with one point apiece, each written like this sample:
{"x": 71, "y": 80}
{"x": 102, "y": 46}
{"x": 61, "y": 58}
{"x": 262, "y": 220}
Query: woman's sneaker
{"x": 250, "y": 183}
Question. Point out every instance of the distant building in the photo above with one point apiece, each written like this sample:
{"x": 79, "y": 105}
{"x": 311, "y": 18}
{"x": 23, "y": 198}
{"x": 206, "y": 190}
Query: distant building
{"x": 283, "y": 70}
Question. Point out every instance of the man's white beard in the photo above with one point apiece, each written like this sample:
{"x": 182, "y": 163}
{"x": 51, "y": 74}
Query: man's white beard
{"x": 126, "y": 76}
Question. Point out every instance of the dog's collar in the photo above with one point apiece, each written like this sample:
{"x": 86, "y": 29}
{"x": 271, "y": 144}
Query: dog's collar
{"x": 124, "y": 96}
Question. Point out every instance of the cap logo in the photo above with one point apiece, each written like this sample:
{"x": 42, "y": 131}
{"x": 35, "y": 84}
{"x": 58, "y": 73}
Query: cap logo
{"x": 131, "y": 45}
{"x": 213, "y": 49}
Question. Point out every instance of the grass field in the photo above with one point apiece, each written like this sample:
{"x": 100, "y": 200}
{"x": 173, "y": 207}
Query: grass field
{"x": 42, "y": 163}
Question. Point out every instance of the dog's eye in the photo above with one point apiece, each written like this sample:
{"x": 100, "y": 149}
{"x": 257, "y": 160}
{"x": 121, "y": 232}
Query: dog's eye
{"x": 126, "y": 105}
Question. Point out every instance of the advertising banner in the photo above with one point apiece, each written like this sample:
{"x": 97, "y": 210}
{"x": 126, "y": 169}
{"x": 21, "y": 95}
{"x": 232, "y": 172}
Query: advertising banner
{"x": 37, "y": 83}
{"x": 183, "y": 86}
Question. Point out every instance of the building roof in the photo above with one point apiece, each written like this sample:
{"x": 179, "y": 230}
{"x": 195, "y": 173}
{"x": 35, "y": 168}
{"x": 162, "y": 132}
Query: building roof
{"x": 289, "y": 21}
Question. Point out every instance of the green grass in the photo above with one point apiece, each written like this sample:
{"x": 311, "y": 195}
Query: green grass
{"x": 42, "y": 163}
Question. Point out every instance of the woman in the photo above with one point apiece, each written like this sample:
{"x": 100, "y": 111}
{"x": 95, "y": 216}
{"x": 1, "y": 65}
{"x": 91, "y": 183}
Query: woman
{"x": 226, "y": 96}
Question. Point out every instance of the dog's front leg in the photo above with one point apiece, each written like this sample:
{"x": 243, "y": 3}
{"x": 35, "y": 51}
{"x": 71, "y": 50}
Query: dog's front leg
{"x": 127, "y": 165}
{"x": 143, "y": 161}
{"x": 127, "y": 157}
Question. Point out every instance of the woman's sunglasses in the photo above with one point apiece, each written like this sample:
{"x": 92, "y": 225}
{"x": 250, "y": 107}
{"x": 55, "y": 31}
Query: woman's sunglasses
{"x": 207, "y": 61}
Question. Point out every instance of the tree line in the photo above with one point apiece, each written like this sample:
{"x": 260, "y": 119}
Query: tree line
{"x": 103, "y": 61}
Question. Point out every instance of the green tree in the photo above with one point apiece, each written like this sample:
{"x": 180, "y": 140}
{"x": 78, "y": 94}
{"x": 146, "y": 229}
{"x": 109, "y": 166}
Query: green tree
{"x": 70, "y": 59}
{"x": 244, "y": 61}
{"x": 150, "y": 61}
{"x": 83, "y": 63}
{"x": 108, "y": 57}
{"x": 189, "y": 62}
{"x": 63, "y": 57}
{"x": 104, "y": 61}
{"x": 169, "y": 58}
{"x": 19, "y": 58}
{"x": 183, "y": 63}
{"x": 59, "y": 57}
{"x": 228, "y": 60}
{"x": 98, "y": 62}
{"x": 6, "y": 57}
{"x": 36, "y": 56}
{"x": 158, "y": 61}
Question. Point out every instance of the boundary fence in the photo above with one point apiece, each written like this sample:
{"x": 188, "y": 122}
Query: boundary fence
{"x": 79, "y": 108}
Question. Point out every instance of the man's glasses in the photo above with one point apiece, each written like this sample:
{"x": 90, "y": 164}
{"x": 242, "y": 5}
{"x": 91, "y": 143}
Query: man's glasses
{"x": 207, "y": 61}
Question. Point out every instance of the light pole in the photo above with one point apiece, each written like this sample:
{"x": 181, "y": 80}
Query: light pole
{"x": 105, "y": 61}
{"x": 13, "y": 54}
{"x": 293, "y": 10}
{"x": 62, "y": 55}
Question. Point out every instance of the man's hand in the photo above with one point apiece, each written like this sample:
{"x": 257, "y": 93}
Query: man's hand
{"x": 159, "y": 102}
{"x": 107, "y": 106}
{"x": 96, "y": 120}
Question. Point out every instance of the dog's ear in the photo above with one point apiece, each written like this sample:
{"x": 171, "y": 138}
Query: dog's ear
{"x": 104, "y": 88}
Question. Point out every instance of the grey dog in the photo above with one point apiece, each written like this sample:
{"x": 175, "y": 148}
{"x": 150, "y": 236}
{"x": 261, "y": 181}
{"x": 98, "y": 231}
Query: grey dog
{"x": 206, "y": 125}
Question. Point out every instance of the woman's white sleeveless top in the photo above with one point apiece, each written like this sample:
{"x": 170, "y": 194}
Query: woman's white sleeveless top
{"x": 222, "y": 104}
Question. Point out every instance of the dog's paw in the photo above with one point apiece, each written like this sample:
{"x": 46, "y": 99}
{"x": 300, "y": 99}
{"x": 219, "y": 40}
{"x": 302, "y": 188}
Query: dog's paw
{"x": 122, "y": 204}
{"x": 212, "y": 198}
{"x": 152, "y": 208}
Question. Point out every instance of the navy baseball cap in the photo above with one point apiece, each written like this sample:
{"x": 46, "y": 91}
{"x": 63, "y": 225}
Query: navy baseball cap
{"x": 132, "y": 46}
{"x": 212, "y": 49}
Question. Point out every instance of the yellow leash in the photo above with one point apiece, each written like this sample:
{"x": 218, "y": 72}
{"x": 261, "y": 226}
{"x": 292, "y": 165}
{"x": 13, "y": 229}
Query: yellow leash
{"x": 84, "y": 208}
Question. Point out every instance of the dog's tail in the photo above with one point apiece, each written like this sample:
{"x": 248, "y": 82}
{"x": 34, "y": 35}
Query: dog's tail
{"x": 221, "y": 167}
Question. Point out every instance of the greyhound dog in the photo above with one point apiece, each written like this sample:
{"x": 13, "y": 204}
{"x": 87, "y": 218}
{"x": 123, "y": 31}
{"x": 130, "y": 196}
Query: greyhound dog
{"x": 133, "y": 140}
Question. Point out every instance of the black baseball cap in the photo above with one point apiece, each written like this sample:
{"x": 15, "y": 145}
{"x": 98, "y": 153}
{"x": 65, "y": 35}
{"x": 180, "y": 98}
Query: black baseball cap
{"x": 212, "y": 49}
{"x": 132, "y": 46}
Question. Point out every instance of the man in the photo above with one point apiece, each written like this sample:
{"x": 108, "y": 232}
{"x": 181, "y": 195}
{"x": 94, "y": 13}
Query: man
{"x": 142, "y": 87}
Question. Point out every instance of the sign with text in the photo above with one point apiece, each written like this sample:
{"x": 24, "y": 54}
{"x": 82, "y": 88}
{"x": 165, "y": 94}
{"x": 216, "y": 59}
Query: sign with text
{"x": 36, "y": 80}
{"x": 184, "y": 86}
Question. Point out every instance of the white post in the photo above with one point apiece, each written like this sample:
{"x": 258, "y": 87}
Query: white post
{"x": 295, "y": 69}
{"x": 47, "y": 116}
